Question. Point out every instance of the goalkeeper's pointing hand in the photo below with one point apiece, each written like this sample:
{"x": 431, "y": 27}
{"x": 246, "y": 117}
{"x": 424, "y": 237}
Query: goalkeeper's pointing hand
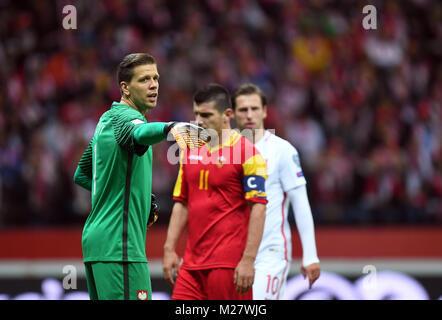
{"x": 187, "y": 135}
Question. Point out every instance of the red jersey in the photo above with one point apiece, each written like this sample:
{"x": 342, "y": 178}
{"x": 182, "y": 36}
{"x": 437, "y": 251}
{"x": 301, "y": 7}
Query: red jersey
{"x": 217, "y": 184}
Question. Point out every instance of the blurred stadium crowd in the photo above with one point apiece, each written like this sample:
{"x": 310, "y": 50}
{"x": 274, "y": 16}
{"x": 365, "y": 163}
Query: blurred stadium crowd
{"x": 363, "y": 107}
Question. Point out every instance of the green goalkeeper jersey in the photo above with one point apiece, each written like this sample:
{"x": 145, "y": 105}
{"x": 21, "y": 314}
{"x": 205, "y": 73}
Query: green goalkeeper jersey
{"x": 118, "y": 172}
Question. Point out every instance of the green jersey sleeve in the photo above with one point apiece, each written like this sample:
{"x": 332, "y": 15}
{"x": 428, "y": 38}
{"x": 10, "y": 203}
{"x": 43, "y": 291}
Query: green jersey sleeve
{"x": 133, "y": 134}
{"x": 124, "y": 125}
{"x": 150, "y": 133}
{"x": 83, "y": 174}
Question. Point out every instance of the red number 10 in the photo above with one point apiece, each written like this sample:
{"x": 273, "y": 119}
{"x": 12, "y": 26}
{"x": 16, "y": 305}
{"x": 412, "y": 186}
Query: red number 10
{"x": 272, "y": 284}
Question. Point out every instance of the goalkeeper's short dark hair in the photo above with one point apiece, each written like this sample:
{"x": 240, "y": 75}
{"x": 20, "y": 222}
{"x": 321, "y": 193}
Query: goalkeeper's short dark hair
{"x": 246, "y": 89}
{"x": 213, "y": 92}
{"x": 125, "y": 70}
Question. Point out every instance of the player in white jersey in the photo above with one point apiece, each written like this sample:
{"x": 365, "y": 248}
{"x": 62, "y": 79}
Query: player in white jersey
{"x": 285, "y": 184}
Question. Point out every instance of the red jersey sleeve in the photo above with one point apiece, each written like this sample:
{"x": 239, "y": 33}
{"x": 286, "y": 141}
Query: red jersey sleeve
{"x": 254, "y": 175}
{"x": 180, "y": 189}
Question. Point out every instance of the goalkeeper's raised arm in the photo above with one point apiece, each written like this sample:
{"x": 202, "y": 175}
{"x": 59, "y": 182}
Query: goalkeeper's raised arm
{"x": 187, "y": 135}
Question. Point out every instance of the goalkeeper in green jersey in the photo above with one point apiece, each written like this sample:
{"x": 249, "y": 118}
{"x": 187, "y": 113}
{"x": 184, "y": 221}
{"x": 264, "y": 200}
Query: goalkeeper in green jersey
{"x": 117, "y": 169}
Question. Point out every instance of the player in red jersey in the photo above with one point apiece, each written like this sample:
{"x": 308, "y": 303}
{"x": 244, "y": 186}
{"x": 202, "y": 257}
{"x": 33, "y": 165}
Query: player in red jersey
{"x": 220, "y": 197}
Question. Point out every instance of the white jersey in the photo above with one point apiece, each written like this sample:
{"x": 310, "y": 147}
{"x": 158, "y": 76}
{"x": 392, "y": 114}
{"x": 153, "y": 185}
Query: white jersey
{"x": 284, "y": 173}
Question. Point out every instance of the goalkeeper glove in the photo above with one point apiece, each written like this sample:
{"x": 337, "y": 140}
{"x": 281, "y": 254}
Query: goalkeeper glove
{"x": 154, "y": 211}
{"x": 187, "y": 135}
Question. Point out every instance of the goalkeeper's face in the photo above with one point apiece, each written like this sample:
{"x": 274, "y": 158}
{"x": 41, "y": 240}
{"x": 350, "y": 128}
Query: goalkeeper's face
{"x": 143, "y": 87}
{"x": 249, "y": 112}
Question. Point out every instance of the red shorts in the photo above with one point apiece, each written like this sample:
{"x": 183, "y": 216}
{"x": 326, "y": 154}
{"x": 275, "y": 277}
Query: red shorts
{"x": 209, "y": 284}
